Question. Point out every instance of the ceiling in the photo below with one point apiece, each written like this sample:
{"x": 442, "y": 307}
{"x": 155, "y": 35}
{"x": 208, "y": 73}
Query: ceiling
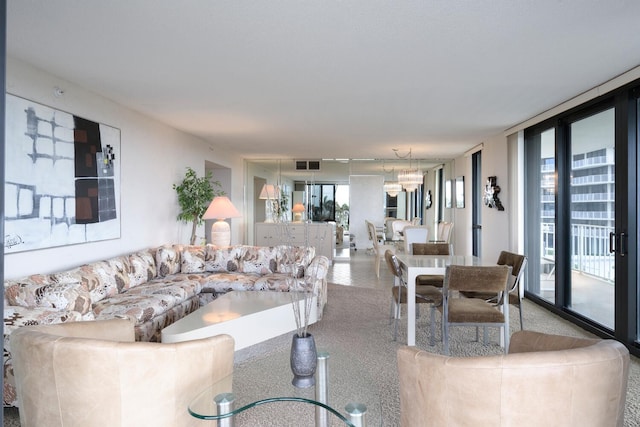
{"x": 350, "y": 79}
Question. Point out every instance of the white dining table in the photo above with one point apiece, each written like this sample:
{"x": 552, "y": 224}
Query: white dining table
{"x": 415, "y": 265}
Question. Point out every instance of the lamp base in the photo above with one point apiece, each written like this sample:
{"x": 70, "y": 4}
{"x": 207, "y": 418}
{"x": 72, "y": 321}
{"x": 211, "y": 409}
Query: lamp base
{"x": 220, "y": 233}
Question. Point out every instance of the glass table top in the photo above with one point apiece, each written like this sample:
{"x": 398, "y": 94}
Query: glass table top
{"x": 345, "y": 395}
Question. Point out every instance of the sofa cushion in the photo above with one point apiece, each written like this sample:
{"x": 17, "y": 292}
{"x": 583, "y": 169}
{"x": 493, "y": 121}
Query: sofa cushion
{"x": 294, "y": 259}
{"x": 259, "y": 259}
{"x": 141, "y": 307}
{"x": 192, "y": 259}
{"x": 98, "y": 278}
{"x": 143, "y": 268}
{"x": 223, "y": 259}
{"x": 281, "y": 282}
{"x": 121, "y": 267}
{"x": 168, "y": 260}
{"x": 178, "y": 286}
{"x": 59, "y": 296}
{"x": 225, "y": 282}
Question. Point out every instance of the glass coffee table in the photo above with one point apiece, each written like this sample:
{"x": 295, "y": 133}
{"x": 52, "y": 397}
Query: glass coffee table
{"x": 344, "y": 394}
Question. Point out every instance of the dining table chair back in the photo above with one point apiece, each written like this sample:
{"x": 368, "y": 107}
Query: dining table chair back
{"x": 460, "y": 311}
{"x": 431, "y": 249}
{"x": 414, "y": 234}
{"x": 424, "y": 294}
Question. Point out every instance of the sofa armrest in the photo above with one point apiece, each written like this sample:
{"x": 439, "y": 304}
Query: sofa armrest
{"x": 316, "y": 273}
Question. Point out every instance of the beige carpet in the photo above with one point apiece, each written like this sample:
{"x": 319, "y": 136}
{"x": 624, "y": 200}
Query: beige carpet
{"x": 355, "y": 331}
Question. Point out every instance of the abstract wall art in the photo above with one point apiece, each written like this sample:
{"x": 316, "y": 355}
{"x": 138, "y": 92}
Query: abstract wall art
{"x": 62, "y": 178}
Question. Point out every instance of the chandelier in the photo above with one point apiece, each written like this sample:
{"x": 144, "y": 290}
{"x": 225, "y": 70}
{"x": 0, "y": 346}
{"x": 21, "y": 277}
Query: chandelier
{"x": 392, "y": 188}
{"x": 410, "y": 178}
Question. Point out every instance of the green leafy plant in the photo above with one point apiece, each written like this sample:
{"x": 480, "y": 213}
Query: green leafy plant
{"x": 194, "y": 196}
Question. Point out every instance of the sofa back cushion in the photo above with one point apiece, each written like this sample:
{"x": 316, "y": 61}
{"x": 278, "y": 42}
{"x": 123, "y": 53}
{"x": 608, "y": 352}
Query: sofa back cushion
{"x": 223, "y": 260}
{"x": 143, "y": 268}
{"x": 43, "y": 291}
{"x": 294, "y": 259}
{"x": 98, "y": 279}
{"x": 168, "y": 260}
{"x": 259, "y": 259}
{"x": 192, "y": 259}
{"x": 121, "y": 267}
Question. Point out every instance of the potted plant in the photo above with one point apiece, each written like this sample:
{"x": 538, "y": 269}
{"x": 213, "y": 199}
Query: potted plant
{"x": 194, "y": 196}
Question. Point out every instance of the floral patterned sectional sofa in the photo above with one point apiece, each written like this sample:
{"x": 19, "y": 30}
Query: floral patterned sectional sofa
{"x": 156, "y": 286}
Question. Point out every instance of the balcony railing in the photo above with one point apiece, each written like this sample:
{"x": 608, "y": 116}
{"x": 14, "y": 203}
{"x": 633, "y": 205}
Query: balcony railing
{"x": 589, "y": 249}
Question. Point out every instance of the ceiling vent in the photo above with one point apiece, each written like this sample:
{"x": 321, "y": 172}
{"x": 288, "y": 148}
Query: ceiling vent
{"x": 307, "y": 165}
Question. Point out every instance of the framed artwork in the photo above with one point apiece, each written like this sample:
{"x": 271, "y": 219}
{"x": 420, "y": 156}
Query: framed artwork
{"x": 62, "y": 178}
{"x": 447, "y": 193}
{"x": 460, "y": 192}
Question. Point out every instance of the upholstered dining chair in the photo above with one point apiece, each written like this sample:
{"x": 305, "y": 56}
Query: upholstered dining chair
{"x": 431, "y": 249}
{"x": 545, "y": 380}
{"x": 460, "y": 311}
{"x": 414, "y": 234}
{"x": 444, "y": 232}
{"x": 92, "y": 373}
{"x": 424, "y": 294}
{"x": 378, "y": 248}
{"x": 398, "y": 227}
{"x": 516, "y": 290}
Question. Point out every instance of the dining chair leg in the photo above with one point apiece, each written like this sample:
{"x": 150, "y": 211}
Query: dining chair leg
{"x": 520, "y": 311}
{"x": 377, "y": 266}
{"x": 397, "y": 316}
{"x": 433, "y": 326}
{"x": 445, "y": 336}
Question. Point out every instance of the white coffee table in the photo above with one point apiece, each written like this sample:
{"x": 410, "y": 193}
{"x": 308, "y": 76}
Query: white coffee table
{"x": 249, "y": 317}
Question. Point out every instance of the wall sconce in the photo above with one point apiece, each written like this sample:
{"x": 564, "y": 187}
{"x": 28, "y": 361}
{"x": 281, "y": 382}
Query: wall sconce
{"x": 220, "y": 209}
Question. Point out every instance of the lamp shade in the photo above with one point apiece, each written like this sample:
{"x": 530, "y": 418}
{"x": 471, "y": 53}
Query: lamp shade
{"x": 221, "y": 208}
{"x": 268, "y": 192}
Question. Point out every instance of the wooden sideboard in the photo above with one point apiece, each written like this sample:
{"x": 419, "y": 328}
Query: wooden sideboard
{"x": 321, "y": 235}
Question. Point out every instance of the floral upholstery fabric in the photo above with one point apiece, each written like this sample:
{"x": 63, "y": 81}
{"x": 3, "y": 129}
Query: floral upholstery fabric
{"x": 121, "y": 268}
{"x": 192, "y": 259}
{"x": 223, "y": 259}
{"x": 143, "y": 268}
{"x": 259, "y": 260}
{"x": 226, "y": 282}
{"x": 98, "y": 278}
{"x": 141, "y": 307}
{"x": 176, "y": 286}
{"x": 59, "y": 296}
{"x": 294, "y": 259}
{"x": 168, "y": 260}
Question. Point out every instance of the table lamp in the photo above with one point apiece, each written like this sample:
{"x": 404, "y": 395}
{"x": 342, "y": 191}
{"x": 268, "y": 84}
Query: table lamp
{"x": 269, "y": 194}
{"x": 297, "y": 210}
{"x": 220, "y": 209}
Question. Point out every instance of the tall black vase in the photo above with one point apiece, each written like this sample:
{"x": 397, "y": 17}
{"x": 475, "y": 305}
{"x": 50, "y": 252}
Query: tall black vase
{"x": 304, "y": 359}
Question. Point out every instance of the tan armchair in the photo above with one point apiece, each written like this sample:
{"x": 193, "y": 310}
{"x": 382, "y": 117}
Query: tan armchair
{"x": 545, "y": 380}
{"x": 83, "y": 374}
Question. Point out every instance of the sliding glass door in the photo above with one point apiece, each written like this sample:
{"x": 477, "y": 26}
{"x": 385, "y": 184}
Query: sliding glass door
{"x": 581, "y": 215}
{"x": 592, "y": 218}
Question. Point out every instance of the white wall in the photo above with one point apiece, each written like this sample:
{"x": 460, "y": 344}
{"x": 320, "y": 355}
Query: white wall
{"x": 366, "y": 202}
{"x": 153, "y": 157}
{"x": 501, "y": 230}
